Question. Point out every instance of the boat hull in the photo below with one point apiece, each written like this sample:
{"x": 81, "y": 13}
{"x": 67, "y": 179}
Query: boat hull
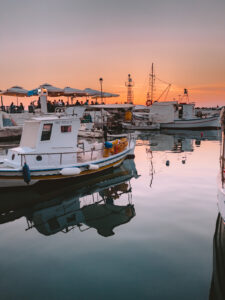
{"x": 15, "y": 178}
{"x": 128, "y": 126}
{"x": 201, "y": 123}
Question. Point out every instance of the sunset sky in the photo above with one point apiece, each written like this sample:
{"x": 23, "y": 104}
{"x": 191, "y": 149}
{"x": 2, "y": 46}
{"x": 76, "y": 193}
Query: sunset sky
{"x": 74, "y": 42}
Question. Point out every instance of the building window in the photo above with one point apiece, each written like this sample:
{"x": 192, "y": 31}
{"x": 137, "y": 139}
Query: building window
{"x": 66, "y": 128}
{"x": 46, "y": 132}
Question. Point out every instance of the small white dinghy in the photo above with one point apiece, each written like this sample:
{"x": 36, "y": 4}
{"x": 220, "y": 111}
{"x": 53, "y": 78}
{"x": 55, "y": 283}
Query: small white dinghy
{"x": 48, "y": 150}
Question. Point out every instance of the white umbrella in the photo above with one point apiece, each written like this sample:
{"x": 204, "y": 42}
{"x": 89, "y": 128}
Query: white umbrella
{"x": 52, "y": 90}
{"x": 15, "y": 91}
{"x": 97, "y": 94}
{"x": 92, "y": 92}
{"x": 68, "y": 91}
{"x": 105, "y": 95}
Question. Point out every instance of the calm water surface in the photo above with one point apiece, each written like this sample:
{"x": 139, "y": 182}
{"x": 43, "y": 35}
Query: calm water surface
{"x": 144, "y": 231}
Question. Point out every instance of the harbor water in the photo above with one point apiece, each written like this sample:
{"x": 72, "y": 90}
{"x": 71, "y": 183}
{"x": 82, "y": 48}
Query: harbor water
{"x": 143, "y": 231}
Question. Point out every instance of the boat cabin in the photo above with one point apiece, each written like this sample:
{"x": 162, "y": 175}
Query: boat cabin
{"x": 168, "y": 112}
{"x": 186, "y": 111}
{"x": 164, "y": 112}
{"x": 47, "y": 140}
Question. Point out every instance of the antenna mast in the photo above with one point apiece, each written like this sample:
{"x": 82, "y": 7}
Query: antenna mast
{"x": 129, "y": 84}
{"x": 186, "y": 96}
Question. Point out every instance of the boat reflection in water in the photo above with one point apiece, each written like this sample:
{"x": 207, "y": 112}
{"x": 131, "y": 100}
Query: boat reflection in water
{"x": 179, "y": 140}
{"x": 102, "y": 203}
{"x": 162, "y": 147}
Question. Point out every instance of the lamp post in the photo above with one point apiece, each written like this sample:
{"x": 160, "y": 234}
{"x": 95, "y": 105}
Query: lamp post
{"x": 101, "y": 80}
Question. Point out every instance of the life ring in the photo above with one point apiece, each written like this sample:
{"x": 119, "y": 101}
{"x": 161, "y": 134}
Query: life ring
{"x": 148, "y": 102}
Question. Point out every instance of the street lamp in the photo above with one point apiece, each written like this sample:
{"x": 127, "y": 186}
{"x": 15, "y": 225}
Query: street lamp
{"x": 101, "y": 80}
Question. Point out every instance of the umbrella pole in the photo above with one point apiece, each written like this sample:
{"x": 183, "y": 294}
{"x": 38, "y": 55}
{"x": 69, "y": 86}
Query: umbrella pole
{"x": 17, "y": 101}
{"x": 1, "y": 101}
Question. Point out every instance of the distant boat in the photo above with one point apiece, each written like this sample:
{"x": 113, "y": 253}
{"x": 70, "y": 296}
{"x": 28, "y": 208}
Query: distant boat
{"x": 176, "y": 115}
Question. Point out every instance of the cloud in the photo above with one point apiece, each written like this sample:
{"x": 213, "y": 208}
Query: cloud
{"x": 209, "y": 88}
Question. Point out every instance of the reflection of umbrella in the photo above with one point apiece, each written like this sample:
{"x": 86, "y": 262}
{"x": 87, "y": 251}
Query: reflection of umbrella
{"x": 15, "y": 91}
{"x": 52, "y": 90}
{"x": 68, "y": 91}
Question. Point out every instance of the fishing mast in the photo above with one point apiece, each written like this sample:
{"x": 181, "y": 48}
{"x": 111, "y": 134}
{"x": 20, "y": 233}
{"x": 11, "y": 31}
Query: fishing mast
{"x": 151, "y": 87}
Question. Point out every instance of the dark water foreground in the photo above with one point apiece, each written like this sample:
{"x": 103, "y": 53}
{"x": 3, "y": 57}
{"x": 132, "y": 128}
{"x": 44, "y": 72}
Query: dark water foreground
{"x": 144, "y": 231}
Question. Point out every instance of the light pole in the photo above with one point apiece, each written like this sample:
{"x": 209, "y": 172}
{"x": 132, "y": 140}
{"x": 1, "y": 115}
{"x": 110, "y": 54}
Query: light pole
{"x": 101, "y": 80}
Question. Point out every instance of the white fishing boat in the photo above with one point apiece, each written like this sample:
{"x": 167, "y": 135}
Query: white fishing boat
{"x": 87, "y": 130}
{"x": 48, "y": 150}
{"x": 174, "y": 115}
{"x": 221, "y": 177}
{"x": 181, "y": 116}
{"x": 8, "y": 128}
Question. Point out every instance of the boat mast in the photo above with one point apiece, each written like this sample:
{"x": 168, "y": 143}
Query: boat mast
{"x": 150, "y": 94}
{"x": 152, "y": 83}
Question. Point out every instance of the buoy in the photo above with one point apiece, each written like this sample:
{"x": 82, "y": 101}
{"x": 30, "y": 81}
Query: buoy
{"x": 201, "y": 134}
{"x": 108, "y": 145}
{"x": 167, "y": 163}
{"x": 148, "y": 103}
{"x": 26, "y": 173}
{"x": 70, "y": 171}
{"x": 93, "y": 167}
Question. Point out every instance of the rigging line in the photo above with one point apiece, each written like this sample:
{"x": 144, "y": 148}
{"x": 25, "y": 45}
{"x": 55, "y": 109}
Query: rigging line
{"x": 162, "y": 80}
{"x": 167, "y": 92}
{"x": 167, "y": 88}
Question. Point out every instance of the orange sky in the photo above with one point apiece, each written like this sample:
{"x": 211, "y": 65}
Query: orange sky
{"x": 74, "y": 43}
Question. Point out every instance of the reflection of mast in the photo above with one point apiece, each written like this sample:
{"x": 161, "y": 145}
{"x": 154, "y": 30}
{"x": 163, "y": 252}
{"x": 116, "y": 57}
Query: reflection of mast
{"x": 129, "y": 84}
{"x": 151, "y": 171}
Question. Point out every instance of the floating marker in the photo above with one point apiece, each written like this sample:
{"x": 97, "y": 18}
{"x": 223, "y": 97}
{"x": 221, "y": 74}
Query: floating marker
{"x": 70, "y": 171}
{"x": 93, "y": 167}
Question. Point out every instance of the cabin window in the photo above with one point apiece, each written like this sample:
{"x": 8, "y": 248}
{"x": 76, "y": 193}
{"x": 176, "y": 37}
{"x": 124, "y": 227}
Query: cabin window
{"x": 13, "y": 156}
{"x": 46, "y": 132}
{"x": 67, "y": 128}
